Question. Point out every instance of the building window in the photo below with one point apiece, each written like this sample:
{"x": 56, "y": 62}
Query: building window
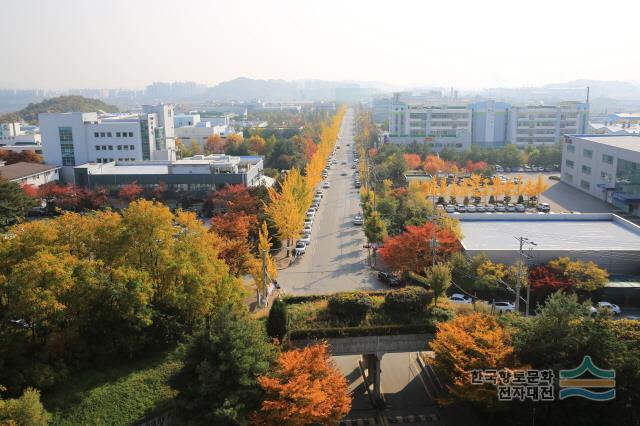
{"x": 571, "y": 148}
{"x": 584, "y": 184}
{"x": 68, "y": 161}
{"x": 131, "y": 147}
{"x": 130, "y": 134}
{"x": 117, "y": 134}
{"x": 108, "y": 134}
{"x": 124, "y": 134}
{"x": 110, "y": 147}
{"x": 102, "y": 135}
{"x": 586, "y": 170}
{"x": 587, "y": 153}
{"x": 65, "y": 133}
{"x": 97, "y": 147}
{"x": 569, "y": 163}
{"x": 119, "y": 147}
{"x": 96, "y": 134}
{"x": 607, "y": 159}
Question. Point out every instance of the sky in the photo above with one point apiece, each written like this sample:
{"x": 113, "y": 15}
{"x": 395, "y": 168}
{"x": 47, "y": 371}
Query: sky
{"x": 62, "y": 44}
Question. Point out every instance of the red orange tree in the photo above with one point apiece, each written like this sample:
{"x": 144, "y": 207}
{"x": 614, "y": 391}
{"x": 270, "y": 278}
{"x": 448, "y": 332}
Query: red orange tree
{"x": 305, "y": 388}
{"x": 413, "y": 161}
{"x": 130, "y": 191}
{"x": 412, "y": 250}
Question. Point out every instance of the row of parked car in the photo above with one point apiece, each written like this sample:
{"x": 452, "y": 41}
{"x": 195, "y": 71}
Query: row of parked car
{"x": 491, "y": 208}
{"x": 305, "y": 234}
{"x": 505, "y": 306}
{"x": 526, "y": 169}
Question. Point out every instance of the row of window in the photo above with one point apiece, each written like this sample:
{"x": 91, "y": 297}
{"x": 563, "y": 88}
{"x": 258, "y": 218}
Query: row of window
{"x": 119, "y": 147}
{"x": 109, "y": 160}
{"x": 109, "y": 134}
{"x": 587, "y": 153}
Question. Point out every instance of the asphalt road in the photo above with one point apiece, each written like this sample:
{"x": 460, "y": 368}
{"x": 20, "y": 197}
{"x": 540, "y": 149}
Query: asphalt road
{"x": 335, "y": 259}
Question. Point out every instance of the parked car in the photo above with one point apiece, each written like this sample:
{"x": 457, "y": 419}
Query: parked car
{"x": 471, "y": 208}
{"x": 306, "y": 238}
{"x": 308, "y": 221}
{"x": 326, "y": 185}
{"x": 358, "y": 184}
{"x": 490, "y": 208}
{"x": 460, "y": 298}
{"x": 500, "y": 208}
{"x": 353, "y": 166}
{"x": 504, "y": 306}
{"x": 606, "y": 305}
{"x": 319, "y": 193}
{"x": 480, "y": 208}
{"x": 306, "y": 228}
{"x": 449, "y": 208}
{"x": 300, "y": 248}
{"x": 461, "y": 208}
{"x": 544, "y": 207}
{"x": 389, "y": 278}
{"x": 358, "y": 220}
{"x": 520, "y": 208}
{"x": 511, "y": 207}
{"x": 344, "y": 162}
{"x": 343, "y": 174}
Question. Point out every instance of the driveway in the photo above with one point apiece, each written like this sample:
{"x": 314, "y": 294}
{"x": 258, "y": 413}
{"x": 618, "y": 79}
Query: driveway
{"x": 335, "y": 259}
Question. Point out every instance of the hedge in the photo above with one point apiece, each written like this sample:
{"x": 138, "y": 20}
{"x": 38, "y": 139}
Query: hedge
{"x": 292, "y": 300}
{"x": 378, "y": 330}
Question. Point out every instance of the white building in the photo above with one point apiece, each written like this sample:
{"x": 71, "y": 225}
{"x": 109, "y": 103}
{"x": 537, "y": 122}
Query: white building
{"x": 16, "y": 134}
{"x": 439, "y": 126}
{"x": 605, "y": 166}
{"x": 617, "y": 124}
{"x": 71, "y": 139}
{"x": 488, "y": 123}
{"x": 540, "y": 125}
{"x": 29, "y": 173}
{"x": 201, "y": 132}
{"x": 180, "y": 120}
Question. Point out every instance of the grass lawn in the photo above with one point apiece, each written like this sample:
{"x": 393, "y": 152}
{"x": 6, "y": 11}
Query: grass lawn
{"x": 118, "y": 395}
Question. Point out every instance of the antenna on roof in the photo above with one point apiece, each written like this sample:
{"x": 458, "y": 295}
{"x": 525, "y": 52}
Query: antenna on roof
{"x": 588, "y": 95}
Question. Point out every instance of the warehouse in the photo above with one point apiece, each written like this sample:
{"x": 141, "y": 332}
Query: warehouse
{"x": 604, "y": 238}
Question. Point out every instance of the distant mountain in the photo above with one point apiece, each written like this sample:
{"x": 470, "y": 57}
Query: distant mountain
{"x": 30, "y": 113}
{"x": 601, "y": 88}
{"x": 246, "y": 89}
{"x": 243, "y": 88}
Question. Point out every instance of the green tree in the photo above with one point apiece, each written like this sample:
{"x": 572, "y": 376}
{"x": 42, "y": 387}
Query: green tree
{"x": 218, "y": 381}
{"x": 24, "y": 411}
{"x": 14, "y": 203}
{"x": 439, "y": 279}
{"x": 375, "y": 230}
{"x": 277, "y": 320}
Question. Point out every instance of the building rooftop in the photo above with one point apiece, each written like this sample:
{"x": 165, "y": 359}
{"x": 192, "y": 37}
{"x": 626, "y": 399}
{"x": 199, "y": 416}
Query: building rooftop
{"x": 22, "y": 170}
{"x": 558, "y": 232}
{"x": 630, "y": 142}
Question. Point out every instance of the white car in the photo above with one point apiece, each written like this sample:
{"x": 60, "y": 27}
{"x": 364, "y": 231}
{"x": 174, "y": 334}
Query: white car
{"x": 306, "y": 238}
{"x": 358, "y": 220}
{"x": 471, "y": 208}
{"x": 459, "y": 298}
{"x": 520, "y": 208}
{"x": 504, "y": 306}
{"x": 606, "y": 305}
{"x": 326, "y": 185}
{"x": 308, "y": 221}
{"x": 306, "y": 228}
{"x": 449, "y": 208}
{"x": 319, "y": 193}
{"x": 301, "y": 247}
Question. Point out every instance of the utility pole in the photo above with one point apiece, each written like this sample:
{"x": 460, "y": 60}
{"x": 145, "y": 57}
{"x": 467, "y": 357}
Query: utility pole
{"x": 522, "y": 268}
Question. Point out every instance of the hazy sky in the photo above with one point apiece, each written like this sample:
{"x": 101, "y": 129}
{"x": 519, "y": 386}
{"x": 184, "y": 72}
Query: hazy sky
{"x": 130, "y": 43}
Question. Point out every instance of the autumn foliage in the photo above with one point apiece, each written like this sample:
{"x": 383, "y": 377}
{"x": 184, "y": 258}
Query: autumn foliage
{"x": 305, "y": 388}
{"x": 130, "y": 191}
{"x": 411, "y": 251}
{"x": 27, "y": 156}
{"x": 470, "y": 342}
{"x": 413, "y": 161}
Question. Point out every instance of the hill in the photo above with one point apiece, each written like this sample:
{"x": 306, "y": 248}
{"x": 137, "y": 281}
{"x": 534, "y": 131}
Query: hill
{"x": 30, "y": 113}
{"x": 247, "y": 89}
{"x": 601, "y": 88}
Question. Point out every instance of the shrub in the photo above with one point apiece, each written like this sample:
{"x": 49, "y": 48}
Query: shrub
{"x": 26, "y": 410}
{"x": 438, "y": 314}
{"x": 352, "y": 306}
{"x": 374, "y": 330}
{"x": 277, "y": 320}
{"x": 407, "y": 301}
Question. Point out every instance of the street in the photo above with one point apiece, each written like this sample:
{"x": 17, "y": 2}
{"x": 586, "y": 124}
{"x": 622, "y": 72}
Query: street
{"x": 335, "y": 259}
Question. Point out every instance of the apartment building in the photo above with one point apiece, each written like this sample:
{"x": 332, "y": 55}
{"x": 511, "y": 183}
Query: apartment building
{"x": 540, "y": 125}
{"x": 71, "y": 139}
{"x": 17, "y": 134}
{"x": 487, "y": 123}
{"x": 439, "y": 126}
{"x": 605, "y": 166}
